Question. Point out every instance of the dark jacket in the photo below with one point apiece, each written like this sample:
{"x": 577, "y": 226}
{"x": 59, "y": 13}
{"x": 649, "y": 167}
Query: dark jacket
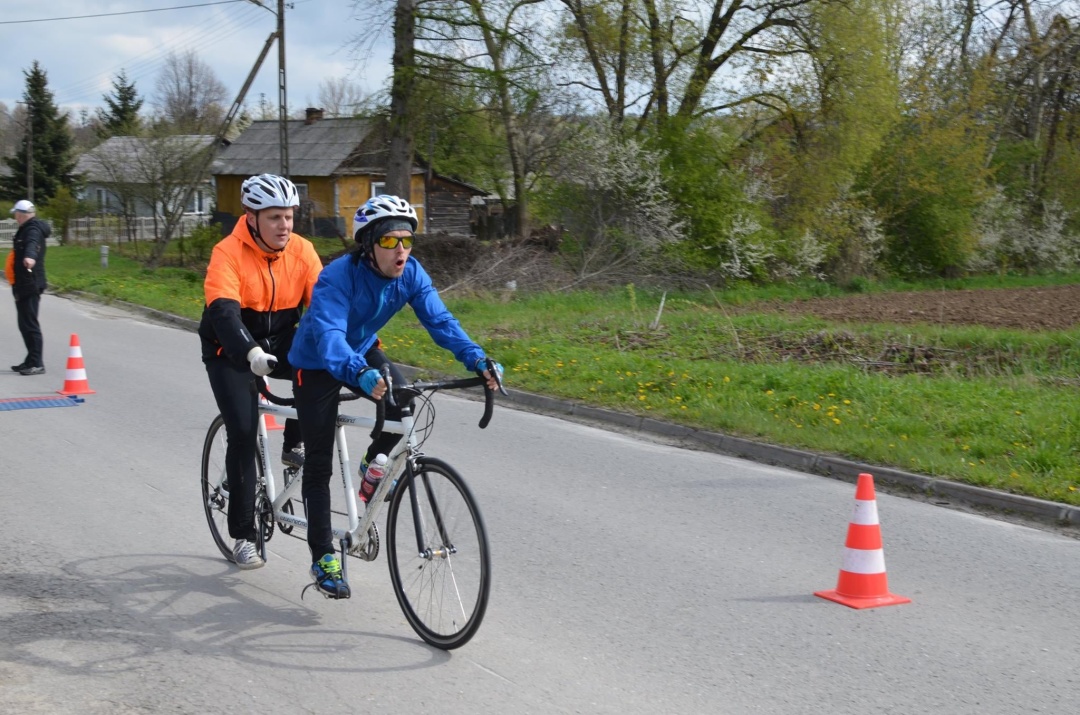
{"x": 29, "y": 242}
{"x": 255, "y": 298}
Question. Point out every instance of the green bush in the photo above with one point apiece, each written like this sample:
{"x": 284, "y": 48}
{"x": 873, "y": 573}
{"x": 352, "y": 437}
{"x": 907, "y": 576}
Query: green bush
{"x": 202, "y": 239}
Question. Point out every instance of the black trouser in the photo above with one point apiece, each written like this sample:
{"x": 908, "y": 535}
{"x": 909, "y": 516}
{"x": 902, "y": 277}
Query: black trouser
{"x": 316, "y": 393}
{"x": 26, "y": 310}
{"x": 234, "y": 391}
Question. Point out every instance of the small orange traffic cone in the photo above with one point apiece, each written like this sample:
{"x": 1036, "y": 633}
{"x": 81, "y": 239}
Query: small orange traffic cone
{"x": 271, "y": 423}
{"x": 75, "y": 379}
{"x": 862, "y": 582}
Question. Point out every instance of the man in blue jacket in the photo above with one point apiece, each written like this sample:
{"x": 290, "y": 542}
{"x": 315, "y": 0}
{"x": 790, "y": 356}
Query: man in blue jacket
{"x": 28, "y": 250}
{"x": 337, "y": 343}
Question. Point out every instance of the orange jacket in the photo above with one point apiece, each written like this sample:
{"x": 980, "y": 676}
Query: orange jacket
{"x": 254, "y": 297}
{"x": 9, "y": 267}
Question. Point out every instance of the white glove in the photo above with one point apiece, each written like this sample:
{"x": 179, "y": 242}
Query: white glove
{"x": 262, "y": 362}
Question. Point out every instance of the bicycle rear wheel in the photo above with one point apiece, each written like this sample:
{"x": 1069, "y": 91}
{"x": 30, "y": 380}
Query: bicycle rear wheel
{"x": 441, "y": 582}
{"x": 215, "y": 489}
{"x": 215, "y": 494}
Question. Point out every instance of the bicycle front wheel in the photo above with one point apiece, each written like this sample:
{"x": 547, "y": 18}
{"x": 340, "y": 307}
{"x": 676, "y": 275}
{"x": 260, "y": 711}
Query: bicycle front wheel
{"x": 437, "y": 549}
{"x": 215, "y": 488}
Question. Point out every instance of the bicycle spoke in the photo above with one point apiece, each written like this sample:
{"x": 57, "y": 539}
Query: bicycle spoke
{"x": 442, "y": 581}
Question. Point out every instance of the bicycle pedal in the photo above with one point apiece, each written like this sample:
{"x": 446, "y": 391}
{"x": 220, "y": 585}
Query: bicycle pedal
{"x": 324, "y": 594}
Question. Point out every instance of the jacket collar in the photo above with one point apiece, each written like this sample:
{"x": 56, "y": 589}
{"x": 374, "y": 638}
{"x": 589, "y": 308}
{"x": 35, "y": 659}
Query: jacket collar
{"x": 243, "y": 232}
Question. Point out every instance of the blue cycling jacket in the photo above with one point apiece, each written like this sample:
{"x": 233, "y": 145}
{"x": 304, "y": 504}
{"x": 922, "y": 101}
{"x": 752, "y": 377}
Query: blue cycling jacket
{"x": 351, "y": 302}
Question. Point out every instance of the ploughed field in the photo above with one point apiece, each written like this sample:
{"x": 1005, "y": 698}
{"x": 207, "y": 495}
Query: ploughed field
{"x": 1044, "y": 308}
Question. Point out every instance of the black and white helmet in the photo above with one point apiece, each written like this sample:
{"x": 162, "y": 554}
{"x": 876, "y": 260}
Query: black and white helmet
{"x": 379, "y": 207}
{"x": 268, "y": 190}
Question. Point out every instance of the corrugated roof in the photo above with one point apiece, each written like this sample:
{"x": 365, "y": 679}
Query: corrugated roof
{"x": 117, "y": 158}
{"x": 315, "y": 149}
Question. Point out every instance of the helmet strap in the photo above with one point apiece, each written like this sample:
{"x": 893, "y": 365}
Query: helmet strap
{"x": 253, "y": 228}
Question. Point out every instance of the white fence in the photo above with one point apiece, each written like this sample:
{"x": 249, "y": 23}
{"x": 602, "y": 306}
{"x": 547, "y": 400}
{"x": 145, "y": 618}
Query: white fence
{"x": 108, "y": 229}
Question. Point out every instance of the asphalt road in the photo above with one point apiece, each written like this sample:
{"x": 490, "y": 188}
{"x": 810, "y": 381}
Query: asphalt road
{"x": 630, "y": 576}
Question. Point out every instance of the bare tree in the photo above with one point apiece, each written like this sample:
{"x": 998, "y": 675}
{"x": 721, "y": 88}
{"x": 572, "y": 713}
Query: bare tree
{"x": 482, "y": 48}
{"x": 10, "y": 133}
{"x": 190, "y": 97}
{"x": 339, "y": 97}
{"x": 110, "y": 167}
{"x": 170, "y": 164}
{"x": 658, "y": 59}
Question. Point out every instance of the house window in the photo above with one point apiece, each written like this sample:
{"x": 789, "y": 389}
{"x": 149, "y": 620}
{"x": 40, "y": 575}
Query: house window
{"x": 102, "y": 199}
{"x": 378, "y": 188}
{"x": 301, "y": 190}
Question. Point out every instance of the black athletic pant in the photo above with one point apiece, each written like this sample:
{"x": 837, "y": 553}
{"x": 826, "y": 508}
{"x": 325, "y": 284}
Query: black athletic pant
{"x": 234, "y": 391}
{"x": 316, "y": 393}
{"x": 26, "y": 311}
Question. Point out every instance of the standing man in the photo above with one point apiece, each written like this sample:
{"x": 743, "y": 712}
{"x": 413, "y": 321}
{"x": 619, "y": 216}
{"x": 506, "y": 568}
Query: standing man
{"x": 28, "y": 267}
{"x": 258, "y": 283}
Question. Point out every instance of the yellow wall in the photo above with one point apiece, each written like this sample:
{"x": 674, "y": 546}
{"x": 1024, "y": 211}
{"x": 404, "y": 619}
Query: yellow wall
{"x": 228, "y": 194}
{"x": 353, "y": 191}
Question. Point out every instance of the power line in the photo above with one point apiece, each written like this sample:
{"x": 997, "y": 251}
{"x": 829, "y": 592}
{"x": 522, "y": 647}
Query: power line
{"x": 141, "y": 68}
{"x": 114, "y": 14}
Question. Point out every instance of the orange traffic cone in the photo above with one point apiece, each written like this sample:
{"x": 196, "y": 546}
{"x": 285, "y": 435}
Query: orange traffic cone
{"x": 75, "y": 380}
{"x": 862, "y": 582}
{"x": 271, "y": 423}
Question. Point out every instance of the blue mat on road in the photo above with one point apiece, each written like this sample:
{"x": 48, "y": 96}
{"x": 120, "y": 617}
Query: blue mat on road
{"x": 29, "y": 403}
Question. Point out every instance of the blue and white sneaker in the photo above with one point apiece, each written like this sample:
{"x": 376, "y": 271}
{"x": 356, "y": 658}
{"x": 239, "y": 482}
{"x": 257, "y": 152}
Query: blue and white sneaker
{"x": 246, "y": 555}
{"x": 326, "y": 573}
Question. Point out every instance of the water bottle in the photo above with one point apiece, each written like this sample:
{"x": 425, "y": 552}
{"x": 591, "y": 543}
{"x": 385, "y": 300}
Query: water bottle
{"x": 375, "y": 471}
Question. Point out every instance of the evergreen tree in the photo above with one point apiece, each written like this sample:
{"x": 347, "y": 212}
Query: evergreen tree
{"x": 122, "y": 116}
{"x": 53, "y": 160}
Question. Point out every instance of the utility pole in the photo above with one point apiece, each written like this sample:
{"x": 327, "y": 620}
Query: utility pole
{"x": 283, "y": 105}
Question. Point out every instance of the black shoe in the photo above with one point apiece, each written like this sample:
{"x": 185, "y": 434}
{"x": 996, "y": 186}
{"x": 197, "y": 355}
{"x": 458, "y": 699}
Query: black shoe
{"x": 294, "y": 457}
{"x": 18, "y": 368}
{"x": 39, "y": 370}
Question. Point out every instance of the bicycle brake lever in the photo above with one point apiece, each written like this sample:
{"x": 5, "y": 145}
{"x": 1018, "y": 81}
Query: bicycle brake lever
{"x": 389, "y": 379}
{"x": 497, "y": 376}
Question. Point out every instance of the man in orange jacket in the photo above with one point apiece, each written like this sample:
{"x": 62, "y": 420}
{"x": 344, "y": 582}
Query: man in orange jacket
{"x": 258, "y": 283}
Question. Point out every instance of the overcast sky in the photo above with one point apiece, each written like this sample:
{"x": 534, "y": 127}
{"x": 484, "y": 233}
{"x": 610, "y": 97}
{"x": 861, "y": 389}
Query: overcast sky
{"x": 83, "y": 55}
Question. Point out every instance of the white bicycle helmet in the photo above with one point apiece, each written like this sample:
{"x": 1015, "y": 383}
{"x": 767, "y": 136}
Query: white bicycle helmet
{"x": 268, "y": 190}
{"x": 385, "y": 206}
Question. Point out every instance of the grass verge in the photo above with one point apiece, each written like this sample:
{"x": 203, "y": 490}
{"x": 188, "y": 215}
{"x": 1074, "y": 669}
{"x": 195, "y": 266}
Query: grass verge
{"x": 993, "y": 408}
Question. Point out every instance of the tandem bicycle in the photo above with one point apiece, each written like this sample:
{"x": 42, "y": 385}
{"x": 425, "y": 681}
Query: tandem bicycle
{"x": 436, "y": 543}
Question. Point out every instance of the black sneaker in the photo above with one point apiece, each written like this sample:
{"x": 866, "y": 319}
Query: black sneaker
{"x": 36, "y": 370}
{"x": 18, "y": 368}
{"x": 293, "y": 457}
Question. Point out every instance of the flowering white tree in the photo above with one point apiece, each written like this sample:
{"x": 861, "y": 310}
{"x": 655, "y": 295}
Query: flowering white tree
{"x": 1009, "y": 241}
{"x": 607, "y": 193}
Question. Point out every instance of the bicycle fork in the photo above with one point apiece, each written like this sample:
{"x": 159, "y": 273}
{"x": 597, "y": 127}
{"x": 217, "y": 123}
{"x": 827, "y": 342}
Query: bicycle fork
{"x": 446, "y": 549}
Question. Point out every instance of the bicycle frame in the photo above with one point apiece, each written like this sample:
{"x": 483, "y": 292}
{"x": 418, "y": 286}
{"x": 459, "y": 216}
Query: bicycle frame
{"x": 436, "y": 542}
{"x": 357, "y": 525}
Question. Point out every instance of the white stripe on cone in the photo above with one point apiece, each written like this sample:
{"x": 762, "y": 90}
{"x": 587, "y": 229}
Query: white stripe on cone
{"x": 863, "y": 561}
{"x": 865, "y": 513}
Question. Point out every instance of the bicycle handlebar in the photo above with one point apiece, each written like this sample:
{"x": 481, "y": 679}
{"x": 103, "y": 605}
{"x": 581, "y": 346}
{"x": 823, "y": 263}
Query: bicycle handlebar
{"x": 393, "y": 393}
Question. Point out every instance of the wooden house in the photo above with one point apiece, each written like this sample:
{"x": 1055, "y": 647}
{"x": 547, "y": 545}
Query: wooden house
{"x": 337, "y": 164}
